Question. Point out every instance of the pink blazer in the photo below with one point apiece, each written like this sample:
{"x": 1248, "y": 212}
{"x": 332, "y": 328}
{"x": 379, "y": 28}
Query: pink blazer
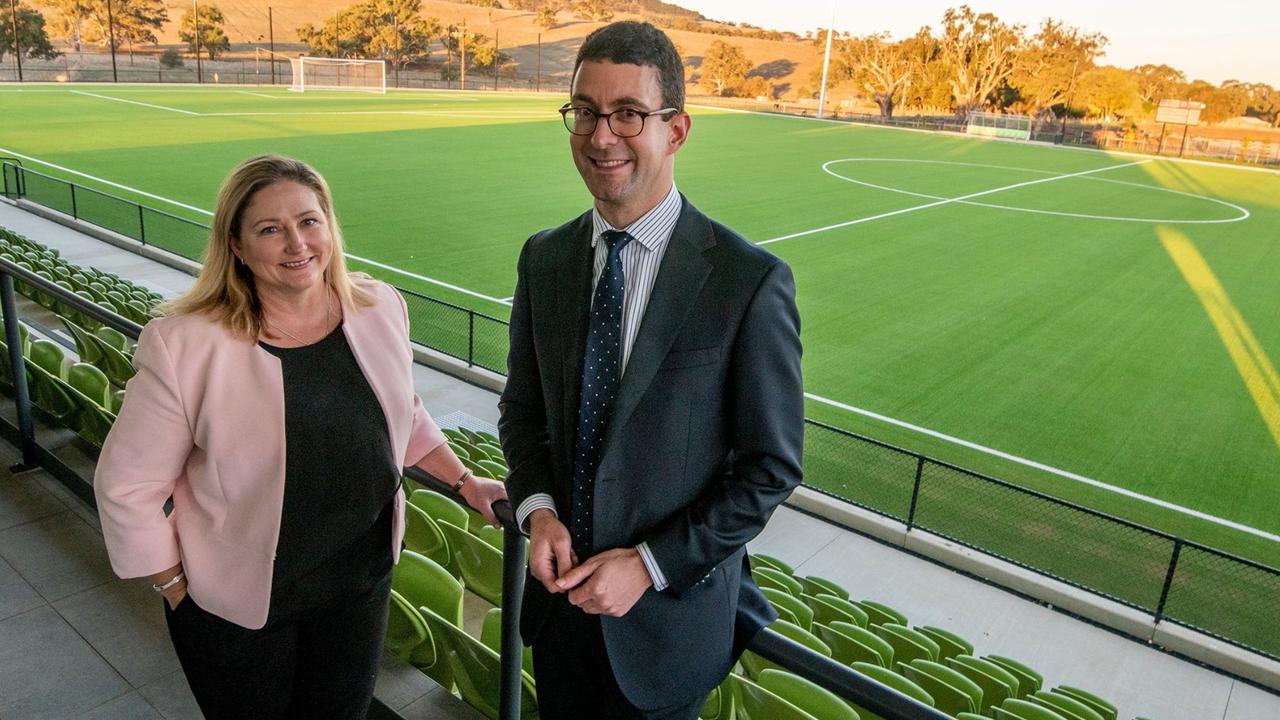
{"x": 203, "y": 422}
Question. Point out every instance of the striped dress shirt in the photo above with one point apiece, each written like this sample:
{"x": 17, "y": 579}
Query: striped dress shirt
{"x": 641, "y": 259}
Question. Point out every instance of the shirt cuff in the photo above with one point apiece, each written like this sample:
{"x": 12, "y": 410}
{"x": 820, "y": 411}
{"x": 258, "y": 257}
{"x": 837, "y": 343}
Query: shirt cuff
{"x": 650, "y": 564}
{"x": 536, "y": 501}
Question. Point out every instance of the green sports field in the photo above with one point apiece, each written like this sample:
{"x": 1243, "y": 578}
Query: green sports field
{"x": 1102, "y": 328}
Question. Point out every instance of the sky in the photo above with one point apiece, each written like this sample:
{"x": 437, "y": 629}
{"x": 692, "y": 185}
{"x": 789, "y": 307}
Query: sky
{"x": 1225, "y": 39}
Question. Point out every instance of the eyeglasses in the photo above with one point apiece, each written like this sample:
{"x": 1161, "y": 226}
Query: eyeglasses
{"x": 624, "y": 123}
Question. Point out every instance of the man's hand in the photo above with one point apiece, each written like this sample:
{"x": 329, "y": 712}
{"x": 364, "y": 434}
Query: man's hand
{"x": 607, "y": 584}
{"x": 481, "y": 493}
{"x": 550, "y": 550}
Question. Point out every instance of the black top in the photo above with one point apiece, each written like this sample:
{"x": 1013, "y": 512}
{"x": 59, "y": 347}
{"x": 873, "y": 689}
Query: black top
{"x": 340, "y": 476}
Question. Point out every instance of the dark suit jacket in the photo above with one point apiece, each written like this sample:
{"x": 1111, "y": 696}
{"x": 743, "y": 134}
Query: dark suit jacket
{"x": 703, "y": 443}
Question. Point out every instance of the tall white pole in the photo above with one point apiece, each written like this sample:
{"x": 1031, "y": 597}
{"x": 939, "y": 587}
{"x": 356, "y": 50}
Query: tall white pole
{"x": 826, "y": 60}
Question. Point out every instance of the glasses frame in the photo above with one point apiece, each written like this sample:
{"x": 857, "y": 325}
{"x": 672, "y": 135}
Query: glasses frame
{"x": 608, "y": 119}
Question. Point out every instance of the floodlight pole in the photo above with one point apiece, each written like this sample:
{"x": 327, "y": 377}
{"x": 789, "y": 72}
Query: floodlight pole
{"x": 462, "y": 44}
{"x": 17, "y": 44}
{"x": 271, "y": 40}
{"x": 495, "y": 59}
{"x": 826, "y": 60}
{"x": 111, "y": 28}
{"x": 195, "y": 14}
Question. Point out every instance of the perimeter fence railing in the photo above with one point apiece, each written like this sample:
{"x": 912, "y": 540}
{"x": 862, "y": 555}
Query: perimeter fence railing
{"x": 843, "y": 680}
{"x": 1232, "y": 598}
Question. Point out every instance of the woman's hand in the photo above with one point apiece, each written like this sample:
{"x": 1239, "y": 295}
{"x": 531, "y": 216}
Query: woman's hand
{"x": 481, "y": 493}
{"x": 175, "y": 594}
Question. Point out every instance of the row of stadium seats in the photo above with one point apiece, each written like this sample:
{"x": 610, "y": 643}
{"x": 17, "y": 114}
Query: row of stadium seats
{"x": 931, "y": 664}
{"x": 106, "y": 289}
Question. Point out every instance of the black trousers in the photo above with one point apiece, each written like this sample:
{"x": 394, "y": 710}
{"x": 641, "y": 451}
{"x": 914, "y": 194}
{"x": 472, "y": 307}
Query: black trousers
{"x": 315, "y": 658}
{"x": 574, "y": 678}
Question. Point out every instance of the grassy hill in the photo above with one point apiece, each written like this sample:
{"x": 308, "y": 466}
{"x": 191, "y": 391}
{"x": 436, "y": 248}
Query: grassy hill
{"x": 787, "y": 65}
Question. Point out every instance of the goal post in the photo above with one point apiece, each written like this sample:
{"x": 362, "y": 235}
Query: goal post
{"x": 319, "y": 73}
{"x": 999, "y": 125}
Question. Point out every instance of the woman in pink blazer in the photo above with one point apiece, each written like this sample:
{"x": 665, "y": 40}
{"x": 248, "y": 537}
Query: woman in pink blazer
{"x": 275, "y": 405}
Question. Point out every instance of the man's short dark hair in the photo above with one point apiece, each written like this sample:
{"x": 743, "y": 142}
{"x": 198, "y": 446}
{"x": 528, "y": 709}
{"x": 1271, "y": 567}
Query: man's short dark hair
{"x": 638, "y": 43}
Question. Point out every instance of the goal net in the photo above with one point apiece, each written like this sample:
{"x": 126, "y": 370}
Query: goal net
{"x": 316, "y": 73}
{"x": 999, "y": 125}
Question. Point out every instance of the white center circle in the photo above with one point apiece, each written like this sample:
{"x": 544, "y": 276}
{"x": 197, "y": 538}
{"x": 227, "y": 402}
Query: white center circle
{"x": 1241, "y": 213}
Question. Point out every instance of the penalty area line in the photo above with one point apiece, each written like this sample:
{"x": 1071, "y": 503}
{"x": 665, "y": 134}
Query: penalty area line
{"x": 1165, "y": 504}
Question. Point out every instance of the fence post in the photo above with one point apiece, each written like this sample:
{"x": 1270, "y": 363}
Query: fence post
{"x": 19, "y": 371}
{"x": 1168, "y": 579}
{"x": 471, "y": 338}
{"x": 142, "y": 226}
{"x": 74, "y": 213}
{"x": 915, "y": 493}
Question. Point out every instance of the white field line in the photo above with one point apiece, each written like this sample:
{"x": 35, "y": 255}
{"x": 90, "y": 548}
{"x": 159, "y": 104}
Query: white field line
{"x": 133, "y": 102}
{"x": 206, "y": 213}
{"x": 1047, "y": 468}
{"x": 948, "y": 201}
{"x": 258, "y": 94}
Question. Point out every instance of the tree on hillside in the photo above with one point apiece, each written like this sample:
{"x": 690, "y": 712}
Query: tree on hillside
{"x": 398, "y": 32}
{"x": 213, "y": 39}
{"x": 1223, "y": 102}
{"x": 32, "y": 38}
{"x": 135, "y": 21}
{"x": 67, "y": 20}
{"x": 486, "y": 58}
{"x": 593, "y": 10}
{"x": 978, "y": 52}
{"x": 724, "y": 66}
{"x": 1158, "y": 82}
{"x": 755, "y": 87}
{"x": 546, "y": 17}
{"x": 345, "y": 34}
{"x": 1264, "y": 103}
{"x": 1047, "y": 68}
{"x": 879, "y": 67}
{"x": 1110, "y": 93}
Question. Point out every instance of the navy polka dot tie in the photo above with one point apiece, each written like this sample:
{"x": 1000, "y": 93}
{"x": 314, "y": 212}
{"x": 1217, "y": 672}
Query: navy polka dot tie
{"x": 601, "y": 375}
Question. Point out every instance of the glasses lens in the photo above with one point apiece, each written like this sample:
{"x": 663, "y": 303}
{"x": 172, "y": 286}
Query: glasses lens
{"x": 626, "y": 123}
{"x": 580, "y": 121}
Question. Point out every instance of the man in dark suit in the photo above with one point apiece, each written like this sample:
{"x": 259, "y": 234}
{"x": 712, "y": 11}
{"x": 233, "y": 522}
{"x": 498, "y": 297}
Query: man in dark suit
{"x": 653, "y": 413}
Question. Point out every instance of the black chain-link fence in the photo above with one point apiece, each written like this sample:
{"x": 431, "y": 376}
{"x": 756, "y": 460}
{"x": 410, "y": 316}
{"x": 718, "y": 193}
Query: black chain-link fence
{"x": 1226, "y": 596}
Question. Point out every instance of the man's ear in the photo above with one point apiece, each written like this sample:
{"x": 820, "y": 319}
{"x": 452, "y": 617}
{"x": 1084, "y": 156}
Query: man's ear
{"x": 679, "y": 127}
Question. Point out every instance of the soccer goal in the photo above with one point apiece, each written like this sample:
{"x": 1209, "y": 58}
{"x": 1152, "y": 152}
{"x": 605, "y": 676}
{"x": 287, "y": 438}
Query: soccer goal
{"x": 317, "y": 73}
{"x": 999, "y": 125}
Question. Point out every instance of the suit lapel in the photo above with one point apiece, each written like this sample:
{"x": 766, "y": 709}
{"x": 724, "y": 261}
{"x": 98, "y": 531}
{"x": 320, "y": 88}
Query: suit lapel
{"x": 573, "y": 305}
{"x": 680, "y": 279}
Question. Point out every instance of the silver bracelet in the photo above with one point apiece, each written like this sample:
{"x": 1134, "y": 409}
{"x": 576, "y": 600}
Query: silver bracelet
{"x": 172, "y": 581}
{"x": 461, "y": 481}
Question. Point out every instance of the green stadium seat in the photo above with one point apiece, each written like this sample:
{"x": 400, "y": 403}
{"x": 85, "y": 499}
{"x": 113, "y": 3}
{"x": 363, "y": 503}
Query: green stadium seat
{"x": 1099, "y": 705}
{"x": 887, "y": 677}
{"x": 1029, "y": 681}
{"x": 753, "y": 664}
{"x": 810, "y": 697}
{"x": 753, "y": 702}
{"x": 996, "y": 683}
{"x": 794, "y": 607}
{"x": 491, "y": 636}
{"x": 49, "y": 356}
{"x": 423, "y": 583}
{"x": 407, "y": 632}
{"x": 92, "y": 394}
{"x": 440, "y": 508}
{"x": 907, "y": 644}
{"x": 478, "y": 561}
{"x": 953, "y": 692}
{"x": 1024, "y": 710}
{"x": 475, "y": 668}
{"x": 851, "y": 643}
{"x": 814, "y": 585}
{"x": 949, "y": 643}
{"x": 113, "y": 338}
{"x": 422, "y": 535}
{"x": 830, "y": 608}
{"x": 770, "y": 577}
{"x": 770, "y": 561}
{"x": 1064, "y": 705}
{"x": 879, "y": 613}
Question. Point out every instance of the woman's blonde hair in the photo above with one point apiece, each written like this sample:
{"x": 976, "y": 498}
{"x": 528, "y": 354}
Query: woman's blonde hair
{"x": 225, "y": 288}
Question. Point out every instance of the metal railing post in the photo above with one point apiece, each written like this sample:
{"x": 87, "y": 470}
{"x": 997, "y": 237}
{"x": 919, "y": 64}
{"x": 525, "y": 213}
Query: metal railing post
{"x": 513, "y": 547}
{"x": 22, "y": 397}
{"x": 1168, "y": 580}
{"x": 142, "y": 226}
{"x": 74, "y": 213}
{"x": 915, "y": 493}
{"x": 471, "y": 338}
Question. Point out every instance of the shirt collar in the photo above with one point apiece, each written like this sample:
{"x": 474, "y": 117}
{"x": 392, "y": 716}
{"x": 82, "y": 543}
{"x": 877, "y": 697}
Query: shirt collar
{"x": 651, "y": 230}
